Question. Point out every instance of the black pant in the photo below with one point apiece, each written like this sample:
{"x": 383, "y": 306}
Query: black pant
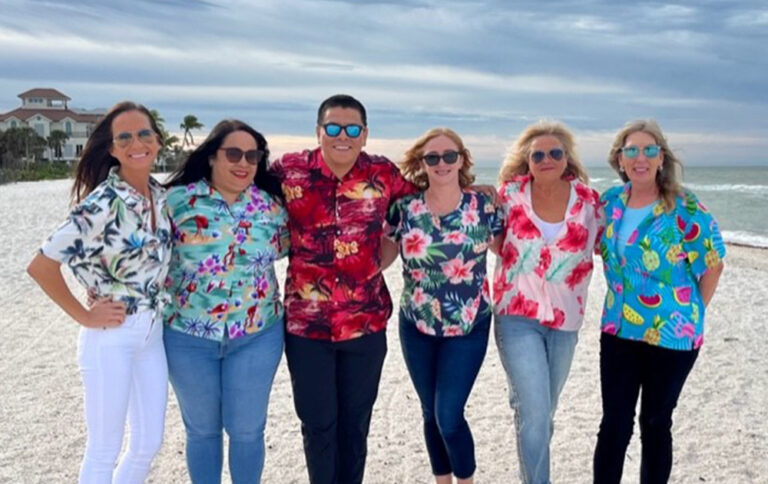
{"x": 626, "y": 367}
{"x": 334, "y": 389}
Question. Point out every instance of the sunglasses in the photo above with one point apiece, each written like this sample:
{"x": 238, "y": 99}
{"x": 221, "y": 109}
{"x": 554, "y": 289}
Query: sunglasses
{"x": 146, "y": 136}
{"x": 334, "y": 129}
{"x": 650, "y": 151}
{"x": 449, "y": 157}
{"x": 234, "y": 155}
{"x": 555, "y": 153}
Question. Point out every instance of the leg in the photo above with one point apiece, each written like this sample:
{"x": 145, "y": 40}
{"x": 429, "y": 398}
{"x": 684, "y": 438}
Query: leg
{"x": 561, "y": 346}
{"x": 146, "y": 409}
{"x": 459, "y": 362}
{"x": 312, "y": 365}
{"x": 247, "y": 373}
{"x": 666, "y": 372}
{"x": 194, "y": 369}
{"x": 106, "y": 359}
{"x": 420, "y": 355}
{"x": 357, "y": 378}
{"x": 620, "y": 368}
{"x": 522, "y": 347}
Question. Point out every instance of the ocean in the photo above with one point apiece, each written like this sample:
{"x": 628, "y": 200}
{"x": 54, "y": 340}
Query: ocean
{"x": 736, "y": 195}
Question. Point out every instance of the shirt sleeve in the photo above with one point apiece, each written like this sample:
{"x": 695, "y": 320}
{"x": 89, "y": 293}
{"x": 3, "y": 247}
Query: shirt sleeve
{"x": 70, "y": 242}
{"x": 394, "y": 220}
{"x": 400, "y": 187}
{"x": 702, "y": 241}
{"x": 495, "y": 217}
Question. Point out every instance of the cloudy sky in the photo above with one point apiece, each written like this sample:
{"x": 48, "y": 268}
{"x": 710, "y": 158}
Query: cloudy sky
{"x": 485, "y": 68}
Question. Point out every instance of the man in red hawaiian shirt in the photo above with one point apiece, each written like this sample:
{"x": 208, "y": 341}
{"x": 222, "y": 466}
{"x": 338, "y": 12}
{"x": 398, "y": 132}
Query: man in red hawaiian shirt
{"x": 336, "y": 300}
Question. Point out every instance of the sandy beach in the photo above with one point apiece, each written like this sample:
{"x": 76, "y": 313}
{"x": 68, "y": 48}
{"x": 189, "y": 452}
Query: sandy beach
{"x": 720, "y": 431}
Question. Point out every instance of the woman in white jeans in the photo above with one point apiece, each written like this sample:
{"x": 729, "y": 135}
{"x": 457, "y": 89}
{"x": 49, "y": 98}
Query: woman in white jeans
{"x": 117, "y": 242}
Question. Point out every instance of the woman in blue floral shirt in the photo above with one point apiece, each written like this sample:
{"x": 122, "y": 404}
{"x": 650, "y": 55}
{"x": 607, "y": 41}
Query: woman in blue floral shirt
{"x": 117, "y": 242}
{"x": 662, "y": 254}
{"x": 224, "y": 337}
{"x": 444, "y": 233}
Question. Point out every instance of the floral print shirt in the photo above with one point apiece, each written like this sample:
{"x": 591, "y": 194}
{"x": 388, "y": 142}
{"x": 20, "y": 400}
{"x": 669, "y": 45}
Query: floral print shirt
{"x": 222, "y": 278}
{"x": 335, "y": 290}
{"x": 540, "y": 280}
{"x": 108, "y": 243}
{"x": 653, "y": 292}
{"x": 444, "y": 262}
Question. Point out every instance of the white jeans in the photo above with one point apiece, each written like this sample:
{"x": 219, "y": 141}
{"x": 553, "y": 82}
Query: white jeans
{"x": 124, "y": 371}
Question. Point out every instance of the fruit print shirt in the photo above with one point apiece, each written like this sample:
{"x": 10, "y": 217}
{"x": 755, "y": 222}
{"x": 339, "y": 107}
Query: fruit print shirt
{"x": 108, "y": 243}
{"x": 335, "y": 290}
{"x": 540, "y": 280}
{"x": 653, "y": 292}
{"x": 444, "y": 262}
{"x": 222, "y": 278}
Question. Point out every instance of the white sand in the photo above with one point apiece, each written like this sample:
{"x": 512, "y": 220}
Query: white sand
{"x": 721, "y": 424}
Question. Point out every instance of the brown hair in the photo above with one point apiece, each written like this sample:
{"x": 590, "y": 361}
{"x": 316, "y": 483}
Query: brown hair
{"x": 670, "y": 172}
{"x": 413, "y": 170}
{"x": 96, "y": 161}
{"x": 516, "y": 161}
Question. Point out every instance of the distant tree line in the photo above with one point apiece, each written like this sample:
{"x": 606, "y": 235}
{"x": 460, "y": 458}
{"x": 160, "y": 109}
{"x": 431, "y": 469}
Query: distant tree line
{"x": 22, "y": 151}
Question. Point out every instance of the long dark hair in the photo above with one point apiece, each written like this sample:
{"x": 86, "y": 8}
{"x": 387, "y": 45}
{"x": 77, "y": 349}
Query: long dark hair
{"x": 96, "y": 161}
{"x": 197, "y": 166}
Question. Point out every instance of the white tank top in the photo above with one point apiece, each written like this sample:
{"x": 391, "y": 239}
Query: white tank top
{"x": 549, "y": 230}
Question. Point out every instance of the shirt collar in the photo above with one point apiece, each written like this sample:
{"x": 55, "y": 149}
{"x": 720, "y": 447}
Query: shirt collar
{"x": 130, "y": 195}
{"x": 317, "y": 161}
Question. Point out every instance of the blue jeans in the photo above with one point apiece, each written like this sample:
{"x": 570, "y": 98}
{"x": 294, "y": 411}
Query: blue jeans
{"x": 224, "y": 385}
{"x": 443, "y": 371}
{"x": 537, "y": 360}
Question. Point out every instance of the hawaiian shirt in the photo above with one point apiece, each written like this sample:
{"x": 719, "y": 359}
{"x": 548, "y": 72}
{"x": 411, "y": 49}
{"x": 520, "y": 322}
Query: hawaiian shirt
{"x": 335, "y": 290}
{"x": 540, "y": 280}
{"x": 653, "y": 292}
{"x": 444, "y": 262}
{"x": 222, "y": 278}
{"x": 109, "y": 244}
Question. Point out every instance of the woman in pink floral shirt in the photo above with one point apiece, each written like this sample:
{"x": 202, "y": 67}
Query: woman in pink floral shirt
{"x": 552, "y": 221}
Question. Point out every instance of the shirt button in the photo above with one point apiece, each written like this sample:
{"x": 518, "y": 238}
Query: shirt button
{"x": 338, "y": 231}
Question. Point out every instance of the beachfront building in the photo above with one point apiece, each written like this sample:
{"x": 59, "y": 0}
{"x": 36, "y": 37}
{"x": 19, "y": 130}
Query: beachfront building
{"x": 46, "y": 110}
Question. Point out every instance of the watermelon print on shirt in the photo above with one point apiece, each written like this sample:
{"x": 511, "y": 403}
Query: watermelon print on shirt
{"x": 653, "y": 293}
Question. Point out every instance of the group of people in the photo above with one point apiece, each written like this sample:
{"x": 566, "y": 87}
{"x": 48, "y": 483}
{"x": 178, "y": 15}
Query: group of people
{"x": 182, "y": 287}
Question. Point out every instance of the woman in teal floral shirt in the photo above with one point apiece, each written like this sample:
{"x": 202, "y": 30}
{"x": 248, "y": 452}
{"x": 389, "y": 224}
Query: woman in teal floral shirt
{"x": 117, "y": 242}
{"x": 662, "y": 254}
{"x": 224, "y": 336}
{"x": 444, "y": 233}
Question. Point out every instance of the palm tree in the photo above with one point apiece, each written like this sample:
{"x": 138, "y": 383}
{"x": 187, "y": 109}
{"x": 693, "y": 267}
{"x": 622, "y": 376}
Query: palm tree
{"x": 190, "y": 122}
{"x": 56, "y": 140}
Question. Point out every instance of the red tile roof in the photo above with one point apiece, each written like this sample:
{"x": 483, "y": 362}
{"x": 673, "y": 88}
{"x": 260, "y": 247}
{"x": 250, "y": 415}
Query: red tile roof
{"x": 52, "y": 114}
{"x": 44, "y": 92}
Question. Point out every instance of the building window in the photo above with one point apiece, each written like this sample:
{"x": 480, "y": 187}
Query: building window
{"x": 68, "y": 128}
{"x": 13, "y": 123}
{"x": 40, "y": 129}
{"x": 78, "y": 150}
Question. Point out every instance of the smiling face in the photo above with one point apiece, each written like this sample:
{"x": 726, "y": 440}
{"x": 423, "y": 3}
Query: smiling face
{"x": 548, "y": 169}
{"x": 642, "y": 169}
{"x": 229, "y": 178}
{"x": 341, "y": 152}
{"x": 442, "y": 174}
{"x": 139, "y": 154}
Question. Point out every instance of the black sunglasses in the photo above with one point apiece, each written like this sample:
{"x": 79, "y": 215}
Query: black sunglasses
{"x": 555, "y": 153}
{"x": 449, "y": 157}
{"x": 234, "y": 155}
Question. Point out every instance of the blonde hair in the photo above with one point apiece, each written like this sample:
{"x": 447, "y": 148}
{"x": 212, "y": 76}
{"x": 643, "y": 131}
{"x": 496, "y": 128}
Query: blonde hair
{"x": 413, "y": 170}
{"x": 516, "y": 161}
{"x": 670, "y": 172}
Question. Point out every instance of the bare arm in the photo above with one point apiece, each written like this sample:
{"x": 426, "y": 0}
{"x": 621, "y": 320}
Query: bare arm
{"x": 389, "y": 251}
{"x": 708, "y": 282}
{"x": 47, "y": 273}
{"x": 495, "y": 244}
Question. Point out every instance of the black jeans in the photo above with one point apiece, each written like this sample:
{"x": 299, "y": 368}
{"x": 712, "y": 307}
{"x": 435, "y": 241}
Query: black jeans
{"x": 626, "y": 367}
{"x": 334, "y": 389}
{"x": 443, "y": 371}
